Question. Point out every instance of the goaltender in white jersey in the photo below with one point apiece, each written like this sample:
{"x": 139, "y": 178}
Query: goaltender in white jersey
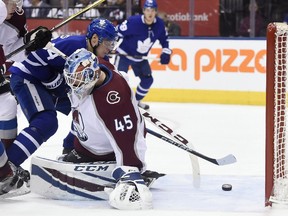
{"x": 108, "y": 126}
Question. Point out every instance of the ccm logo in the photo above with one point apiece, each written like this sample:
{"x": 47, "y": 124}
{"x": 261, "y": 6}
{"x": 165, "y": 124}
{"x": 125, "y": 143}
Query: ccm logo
{"x": 89, "y": 168}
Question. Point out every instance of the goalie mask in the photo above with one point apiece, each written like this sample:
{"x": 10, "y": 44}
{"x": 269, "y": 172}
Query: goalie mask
{"x": 81, "y": 72}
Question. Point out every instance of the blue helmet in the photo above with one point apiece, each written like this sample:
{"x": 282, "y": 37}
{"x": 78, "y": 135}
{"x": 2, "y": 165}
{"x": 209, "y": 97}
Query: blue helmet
{"x": 150, "y": 4}
{"x": 103, "y": 28}
{"x": 81, "y": 71}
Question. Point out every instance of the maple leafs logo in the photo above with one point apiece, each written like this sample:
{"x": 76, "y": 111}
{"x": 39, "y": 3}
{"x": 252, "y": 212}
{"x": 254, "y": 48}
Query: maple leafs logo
{"x": 102, "y": 22}
{"x": 144, "y": 47}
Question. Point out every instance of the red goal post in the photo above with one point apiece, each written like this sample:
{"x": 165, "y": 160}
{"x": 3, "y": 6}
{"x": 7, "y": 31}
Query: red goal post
{"x": 276, "y": 169}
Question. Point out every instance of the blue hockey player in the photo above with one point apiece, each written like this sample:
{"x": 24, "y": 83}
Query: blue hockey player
{"x": 139, "y": 33}
{"x": 13, "y": 35}
{"x": 40, "y": 88}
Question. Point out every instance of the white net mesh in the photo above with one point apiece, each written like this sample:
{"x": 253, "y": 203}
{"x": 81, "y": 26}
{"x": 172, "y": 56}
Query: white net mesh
{"x": 280, "y": 169}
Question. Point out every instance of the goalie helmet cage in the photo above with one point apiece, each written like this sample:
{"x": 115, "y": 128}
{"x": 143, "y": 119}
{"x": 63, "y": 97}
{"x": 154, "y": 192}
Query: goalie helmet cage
{"x": 276, "y": 167}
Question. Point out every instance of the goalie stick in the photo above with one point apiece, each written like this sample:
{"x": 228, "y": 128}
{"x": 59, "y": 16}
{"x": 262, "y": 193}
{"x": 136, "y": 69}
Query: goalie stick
{"x": 229, "y": 159}
{"x": 96, "y": 3}
{"x": 181, "y": 139}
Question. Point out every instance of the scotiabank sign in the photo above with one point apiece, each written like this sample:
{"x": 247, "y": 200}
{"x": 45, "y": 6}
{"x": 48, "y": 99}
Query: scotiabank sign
{"x": 206, "y": 15}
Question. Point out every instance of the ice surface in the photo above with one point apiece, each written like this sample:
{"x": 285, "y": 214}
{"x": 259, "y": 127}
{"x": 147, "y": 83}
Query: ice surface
{"x": 214, "y": 130}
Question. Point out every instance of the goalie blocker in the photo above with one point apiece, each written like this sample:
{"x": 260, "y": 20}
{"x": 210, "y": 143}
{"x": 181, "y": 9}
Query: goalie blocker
{"x": 55, "y": 179}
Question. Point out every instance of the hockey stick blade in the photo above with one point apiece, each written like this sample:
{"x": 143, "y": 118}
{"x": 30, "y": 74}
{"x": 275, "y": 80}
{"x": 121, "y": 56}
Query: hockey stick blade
{"x": 229, "y": 159}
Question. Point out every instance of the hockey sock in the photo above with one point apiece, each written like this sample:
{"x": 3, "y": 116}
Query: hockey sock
{"x": 26, "y": 143}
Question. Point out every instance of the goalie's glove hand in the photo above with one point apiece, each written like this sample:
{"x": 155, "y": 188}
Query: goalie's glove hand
{"x": 165, "y": 56}
{"x": 41, "y": 36}
{"x": 130, "y": 192}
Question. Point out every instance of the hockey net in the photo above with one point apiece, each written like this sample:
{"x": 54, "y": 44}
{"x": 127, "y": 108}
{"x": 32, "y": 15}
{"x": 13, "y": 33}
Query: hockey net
{"x": 276, "y": 176}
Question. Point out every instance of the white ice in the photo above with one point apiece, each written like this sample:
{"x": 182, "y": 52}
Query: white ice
{"x": 215, "y": 131}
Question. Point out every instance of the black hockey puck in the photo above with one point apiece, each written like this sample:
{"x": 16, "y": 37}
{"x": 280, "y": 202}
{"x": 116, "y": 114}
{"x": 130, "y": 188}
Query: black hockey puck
{"x": 226, "y": 187}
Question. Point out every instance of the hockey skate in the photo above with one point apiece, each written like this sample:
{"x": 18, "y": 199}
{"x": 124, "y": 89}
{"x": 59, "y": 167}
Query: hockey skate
{"x": 143, "y": 105}
{"x": 16, "y": 183}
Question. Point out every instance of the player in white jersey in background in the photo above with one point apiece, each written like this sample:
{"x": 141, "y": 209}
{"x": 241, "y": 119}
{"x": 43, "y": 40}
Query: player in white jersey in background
{"x": 139, "y": 33}
{"x": 108, "y": 126}
{"x": 13, "y": 34}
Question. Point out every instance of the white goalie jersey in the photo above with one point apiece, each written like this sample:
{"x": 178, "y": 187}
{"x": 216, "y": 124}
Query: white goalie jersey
{"x": 108, "y": 120}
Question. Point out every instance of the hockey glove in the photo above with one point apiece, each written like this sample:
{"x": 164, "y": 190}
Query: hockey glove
{"x": 165, "y": 56}
{"x": 130, "y": 192}
{"x": 40, "y": 37}
{"x": 57, "y": 86}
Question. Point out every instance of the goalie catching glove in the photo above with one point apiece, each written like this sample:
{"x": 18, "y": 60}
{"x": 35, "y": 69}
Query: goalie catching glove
{"x": 39, "y": 37}
{"x": 130, "y": 192}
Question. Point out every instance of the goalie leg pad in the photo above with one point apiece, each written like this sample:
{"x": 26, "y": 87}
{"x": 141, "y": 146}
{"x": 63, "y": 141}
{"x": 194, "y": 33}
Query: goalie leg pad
{"x": 70, "y": 181}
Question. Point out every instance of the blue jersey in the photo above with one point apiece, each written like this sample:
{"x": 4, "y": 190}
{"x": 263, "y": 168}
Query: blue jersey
{"x": 43, "y": 65}
{"x": 138, "y": 37}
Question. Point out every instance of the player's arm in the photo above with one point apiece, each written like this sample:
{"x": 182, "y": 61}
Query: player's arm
{"x": 166, "y": 51}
